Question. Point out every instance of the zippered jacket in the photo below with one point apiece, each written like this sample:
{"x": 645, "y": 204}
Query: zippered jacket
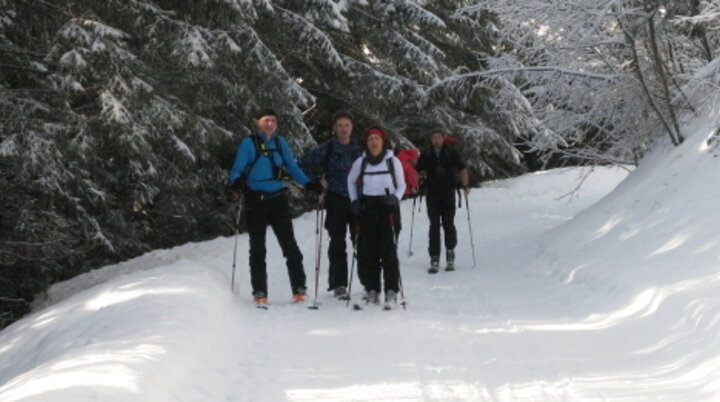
{"x": 261, "y": 175}
{"x": 336, "y": 165}
{"x": 377, "y": 178}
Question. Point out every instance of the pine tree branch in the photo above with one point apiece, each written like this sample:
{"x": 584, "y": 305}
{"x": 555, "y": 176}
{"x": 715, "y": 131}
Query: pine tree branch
{"x": 515, "y": 70}
{"x": 12, "y": 300}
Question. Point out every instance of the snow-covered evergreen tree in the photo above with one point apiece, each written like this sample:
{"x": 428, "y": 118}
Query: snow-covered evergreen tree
{"x": 121, "y": 117}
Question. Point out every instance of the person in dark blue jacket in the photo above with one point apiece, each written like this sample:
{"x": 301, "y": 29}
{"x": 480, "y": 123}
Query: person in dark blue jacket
{"x": 334, "y": 159}
{"x": 262, "y": 161}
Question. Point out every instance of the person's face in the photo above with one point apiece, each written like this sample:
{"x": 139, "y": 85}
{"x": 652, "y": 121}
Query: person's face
{"x": 343, "y": 129}
{"x": 266, "y": 124}
{"x": 375, "y": 144}
{"x": 437, "y": 140}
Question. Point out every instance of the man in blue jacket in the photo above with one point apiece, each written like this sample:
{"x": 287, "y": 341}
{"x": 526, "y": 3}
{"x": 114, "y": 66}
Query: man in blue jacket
{"x": 262, "y": 161}
{"x": 334, "y": 159}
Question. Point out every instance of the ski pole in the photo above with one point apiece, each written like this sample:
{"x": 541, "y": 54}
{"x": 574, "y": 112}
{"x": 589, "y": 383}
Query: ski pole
{"x": 237, "y": 230}
{"x": 472, "y": 242}
{"x": 352, "y": 263}
{"x": 412, "y": 224}
{"x": 391, "y": 217}
{"x": 319, "y": 218}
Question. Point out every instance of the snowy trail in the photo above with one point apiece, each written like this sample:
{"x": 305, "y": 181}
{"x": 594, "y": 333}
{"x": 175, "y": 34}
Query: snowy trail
{"x": 187, "y": 338}
{"x": 427, "y": 352}
{"x": 165, "y": 326}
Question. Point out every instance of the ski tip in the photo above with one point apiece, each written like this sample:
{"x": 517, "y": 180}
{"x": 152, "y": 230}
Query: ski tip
{"x": 313, "y": 307}
{"x": 261, "y": 307}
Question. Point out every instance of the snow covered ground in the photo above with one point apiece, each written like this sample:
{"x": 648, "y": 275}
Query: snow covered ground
{"x": 582, "y": 297}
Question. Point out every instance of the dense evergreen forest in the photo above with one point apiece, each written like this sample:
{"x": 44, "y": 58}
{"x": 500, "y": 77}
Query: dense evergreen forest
{"x": 121, "y": 117}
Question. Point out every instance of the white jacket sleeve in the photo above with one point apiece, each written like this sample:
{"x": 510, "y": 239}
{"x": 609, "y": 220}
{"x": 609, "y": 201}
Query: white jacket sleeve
{"x": 399, "y": 178}
{"x": 352, "y": 178}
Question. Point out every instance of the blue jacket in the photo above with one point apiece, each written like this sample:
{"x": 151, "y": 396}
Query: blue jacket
{"x": 338, "y": 163}
{"x": 260, "y": 177}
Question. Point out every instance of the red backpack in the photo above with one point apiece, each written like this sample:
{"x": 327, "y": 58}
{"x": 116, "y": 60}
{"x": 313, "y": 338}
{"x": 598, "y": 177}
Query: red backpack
{"x": 408, "y": 157}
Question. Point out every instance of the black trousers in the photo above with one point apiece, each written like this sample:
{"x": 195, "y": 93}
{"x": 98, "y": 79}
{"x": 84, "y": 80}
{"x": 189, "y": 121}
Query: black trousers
{"x": 339, "y": 221}
{"x": 441, "y": 211}
{"x": 275, "y": 212}
{"x": 377, "y": 245}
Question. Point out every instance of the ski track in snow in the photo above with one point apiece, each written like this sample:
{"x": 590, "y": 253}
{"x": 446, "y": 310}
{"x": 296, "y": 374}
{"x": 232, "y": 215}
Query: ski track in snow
{"x": 165, "y": 326}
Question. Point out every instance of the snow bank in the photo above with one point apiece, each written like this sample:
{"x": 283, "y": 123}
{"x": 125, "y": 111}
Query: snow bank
{"x": 658, "y": 227}
{"x": 644, "y": 264}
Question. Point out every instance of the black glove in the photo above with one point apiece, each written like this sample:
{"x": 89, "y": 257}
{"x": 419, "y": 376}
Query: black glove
{"x": 355, "y": 206}
{"x": 238, "y": 186}
{"x": 391, "y": 200}
{"x": 314, "y": 186}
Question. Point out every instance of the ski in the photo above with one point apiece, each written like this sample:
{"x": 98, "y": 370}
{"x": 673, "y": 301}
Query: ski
{"x": 266, "y": 305}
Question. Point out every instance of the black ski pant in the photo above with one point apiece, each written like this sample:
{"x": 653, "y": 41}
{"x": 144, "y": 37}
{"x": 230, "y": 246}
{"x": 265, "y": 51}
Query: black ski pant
{"x": 339, "y": 221}
{"x": 441, "y": 211}
{"x": 274, "y": 211}
{"x": 377, "y": 245}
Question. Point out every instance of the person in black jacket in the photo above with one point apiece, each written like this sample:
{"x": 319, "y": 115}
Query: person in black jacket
{"x": 441, "y": 163}
{"x": 334, "y": 158}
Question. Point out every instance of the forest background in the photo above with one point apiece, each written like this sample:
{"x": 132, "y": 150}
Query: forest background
{"x": 119, "y": 118}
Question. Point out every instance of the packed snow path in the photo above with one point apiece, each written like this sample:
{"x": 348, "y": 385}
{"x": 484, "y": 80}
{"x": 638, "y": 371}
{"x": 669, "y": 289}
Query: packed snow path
{"x": 165, "y": 326}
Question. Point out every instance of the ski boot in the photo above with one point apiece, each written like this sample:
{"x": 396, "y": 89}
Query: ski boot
{"x": 434, "y": 264}
{"x": 390, "y": 300}
{"x": 450, "y": 256}
{"x": 261, "y": 300}
{"x": 340, "y": 292}
{"x": 299, "y": 294}
{"x": 373, "y": 297}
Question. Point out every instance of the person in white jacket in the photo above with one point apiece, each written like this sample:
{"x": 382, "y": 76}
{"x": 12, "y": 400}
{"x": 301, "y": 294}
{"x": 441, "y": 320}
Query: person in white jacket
{"x": 376, "y": 184}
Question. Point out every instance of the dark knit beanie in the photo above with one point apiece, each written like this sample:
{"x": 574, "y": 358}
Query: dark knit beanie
{"x": 264, "y": 112}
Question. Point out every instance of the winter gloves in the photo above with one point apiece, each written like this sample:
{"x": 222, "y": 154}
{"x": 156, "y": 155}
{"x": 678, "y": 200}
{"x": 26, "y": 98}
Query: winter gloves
{"x": 355, "y": 206}
{"x": 314, "y": 186}
{"x": 238, "y": 186}
{"x": 390, "y": 200}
